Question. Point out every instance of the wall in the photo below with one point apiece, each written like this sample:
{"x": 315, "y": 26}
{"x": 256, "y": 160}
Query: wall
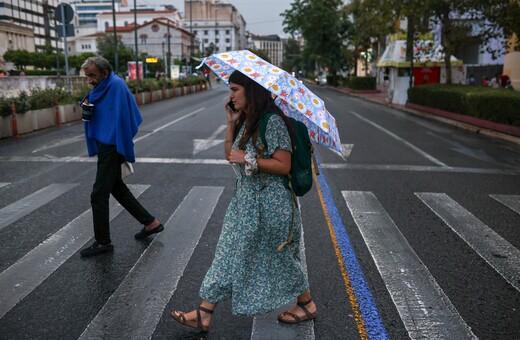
{"x": 12, "y": 86}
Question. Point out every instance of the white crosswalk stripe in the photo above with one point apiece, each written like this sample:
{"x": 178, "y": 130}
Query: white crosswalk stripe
{"x": 427, "y": 313}
{"x": 156, "y": 269}
{"x": 510, "y": 201}
{"x": 21, "y": 278}
{"x": 134, "y": 310}
{"x": 494, "y": 249}
{"x": 32, "y": 202}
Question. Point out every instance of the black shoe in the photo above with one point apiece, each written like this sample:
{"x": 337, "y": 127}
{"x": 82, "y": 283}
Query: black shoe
{"x": 145, "y": 233}
{"x": 96, "y": 249}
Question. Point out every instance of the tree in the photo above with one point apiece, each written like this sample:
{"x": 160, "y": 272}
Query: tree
{"x": 293, "y": 56}
{"x": 105, "y": 48}
{"x": 504, "y": 19}
{"x": 321, "y": 24}
{"x": 21, "y": 58}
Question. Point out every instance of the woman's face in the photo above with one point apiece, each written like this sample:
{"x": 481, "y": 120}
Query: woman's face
{"x": 238, "y": 96}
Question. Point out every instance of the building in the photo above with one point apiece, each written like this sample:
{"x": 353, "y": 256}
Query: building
{"x": 14, "y": 37}
{"x": 219, "y": 26}
{"x": 35, "y": 15}
{"x": 153, "y": 39}
{"x": 272, "y": 45}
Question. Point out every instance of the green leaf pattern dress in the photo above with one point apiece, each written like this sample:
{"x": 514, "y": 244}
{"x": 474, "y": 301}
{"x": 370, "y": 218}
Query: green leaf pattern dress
{"x": 247, "y": 268}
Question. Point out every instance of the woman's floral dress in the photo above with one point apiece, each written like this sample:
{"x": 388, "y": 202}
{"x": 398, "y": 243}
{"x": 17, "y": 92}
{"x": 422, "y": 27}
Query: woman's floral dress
{"x": 247, "y": 268}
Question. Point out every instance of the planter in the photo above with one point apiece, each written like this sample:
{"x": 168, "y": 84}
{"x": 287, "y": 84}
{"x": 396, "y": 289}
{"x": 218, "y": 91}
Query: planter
{"x": 156, "y": 96}
{"x": 69, "y": 112}
{"x": 42, "y": 118}
{"x": 5, "y": 127}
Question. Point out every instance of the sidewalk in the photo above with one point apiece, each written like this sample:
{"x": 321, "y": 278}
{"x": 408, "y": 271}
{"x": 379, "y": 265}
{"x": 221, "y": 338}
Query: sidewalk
{"x": 380, "y": 96}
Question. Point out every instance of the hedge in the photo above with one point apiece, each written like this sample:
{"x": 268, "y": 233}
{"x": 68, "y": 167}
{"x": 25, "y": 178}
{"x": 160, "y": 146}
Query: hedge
{"x": 496, "y": 105}
{"x": 361, "y": 83}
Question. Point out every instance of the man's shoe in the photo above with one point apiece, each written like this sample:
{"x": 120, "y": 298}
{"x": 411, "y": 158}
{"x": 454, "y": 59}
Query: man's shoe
{"x": 145, "y": 233}
{"x": 96, "y": 249}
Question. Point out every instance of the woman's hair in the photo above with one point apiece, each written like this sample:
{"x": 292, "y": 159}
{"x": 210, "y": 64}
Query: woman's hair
{"x": 259, "y": 101}
{"x": 101, "y": 63}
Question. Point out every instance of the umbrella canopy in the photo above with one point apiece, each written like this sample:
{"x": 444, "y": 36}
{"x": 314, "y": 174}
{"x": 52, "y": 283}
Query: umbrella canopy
{"x": 294, "y": 98}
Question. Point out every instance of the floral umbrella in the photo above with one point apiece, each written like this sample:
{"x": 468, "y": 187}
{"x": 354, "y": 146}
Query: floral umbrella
{"x": 294, "y": 98}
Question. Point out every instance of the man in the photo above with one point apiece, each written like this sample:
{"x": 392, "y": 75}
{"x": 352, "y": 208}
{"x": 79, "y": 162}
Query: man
{"x": 109, "y": 135}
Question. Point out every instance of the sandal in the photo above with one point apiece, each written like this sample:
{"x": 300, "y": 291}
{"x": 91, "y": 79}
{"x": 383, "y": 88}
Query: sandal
{"x": 180, "y": 318}
{"x": 296, "y": 318}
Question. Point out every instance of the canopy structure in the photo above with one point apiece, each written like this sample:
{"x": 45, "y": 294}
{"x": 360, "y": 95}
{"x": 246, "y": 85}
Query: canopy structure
{"x": 426, "y": 54}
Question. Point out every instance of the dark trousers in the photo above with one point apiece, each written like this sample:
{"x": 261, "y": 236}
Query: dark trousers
{"x": 108, "y": 181}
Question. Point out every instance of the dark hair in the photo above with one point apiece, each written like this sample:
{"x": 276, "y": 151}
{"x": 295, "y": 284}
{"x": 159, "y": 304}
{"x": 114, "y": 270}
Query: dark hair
{"x": 259, "y": 102}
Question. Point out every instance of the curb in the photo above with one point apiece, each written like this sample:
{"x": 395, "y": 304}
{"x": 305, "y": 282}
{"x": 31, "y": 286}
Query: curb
{"x": 466, "y": 126}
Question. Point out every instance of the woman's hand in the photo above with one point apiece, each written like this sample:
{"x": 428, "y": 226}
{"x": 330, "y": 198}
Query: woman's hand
{"x": 232, "y": 117}
{"x": 237, "y": 157}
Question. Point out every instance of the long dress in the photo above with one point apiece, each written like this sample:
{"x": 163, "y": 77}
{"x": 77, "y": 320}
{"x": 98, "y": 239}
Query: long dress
{"x": 247, "y": 268}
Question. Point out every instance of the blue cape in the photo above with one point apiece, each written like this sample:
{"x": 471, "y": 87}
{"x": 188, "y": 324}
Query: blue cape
{"x": 116, "y": 117}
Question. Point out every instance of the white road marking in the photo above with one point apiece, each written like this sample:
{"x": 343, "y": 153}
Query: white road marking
{"x": 427, "y": 313}
{"x": 152, "y": 281}
{"x": 204, "y": 144}
{"x": 510, "y": 201}
{"x": 168, "y": 124}
{"x": 494, "y": 249}
{"x": 393, "y": 135}
{"x": 30, "y": 271}
{"x": 30, "y": 203}
{"x": 60, "y": 143}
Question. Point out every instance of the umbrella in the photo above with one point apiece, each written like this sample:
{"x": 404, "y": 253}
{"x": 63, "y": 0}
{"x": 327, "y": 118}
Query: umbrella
{"x": 294, "y": 98}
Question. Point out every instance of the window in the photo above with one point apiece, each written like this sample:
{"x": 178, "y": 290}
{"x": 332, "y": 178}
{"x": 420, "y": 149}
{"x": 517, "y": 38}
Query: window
{"x": 228, "y": 40}
{"x": 216, "y": 32}
{"x": 205, "y": 32}
{"x": 106, "y": 25}
{"x": 227, "y": 32}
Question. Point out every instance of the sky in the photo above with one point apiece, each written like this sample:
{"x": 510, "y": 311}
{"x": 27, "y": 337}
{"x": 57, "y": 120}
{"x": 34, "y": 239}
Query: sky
{"x": 261, "y": 16}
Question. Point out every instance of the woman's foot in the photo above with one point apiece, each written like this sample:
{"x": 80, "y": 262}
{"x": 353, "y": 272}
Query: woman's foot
{"x": 199, "y": 318}
{"x": 303, "y": 311}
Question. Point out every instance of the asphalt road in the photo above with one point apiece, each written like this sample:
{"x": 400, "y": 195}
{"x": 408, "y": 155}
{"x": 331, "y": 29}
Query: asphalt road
{"x": 413, "y": 235}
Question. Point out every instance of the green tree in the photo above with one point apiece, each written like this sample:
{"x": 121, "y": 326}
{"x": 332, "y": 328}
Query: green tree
{"x": 21, "y": 58}
{"x": 504, "y": 19}
{"x": 321, "y": 24}
{"x": 293, "y": 56}
{"x": 105, "y": 48}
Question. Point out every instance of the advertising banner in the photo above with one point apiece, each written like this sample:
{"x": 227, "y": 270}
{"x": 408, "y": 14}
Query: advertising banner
{"x": 131, "y": 70}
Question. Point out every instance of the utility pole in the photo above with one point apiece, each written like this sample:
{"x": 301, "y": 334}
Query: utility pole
{"x": 169, "y": 52}
{"x": 116, "y": 52}
{"x": 136, "y": 52}
{"x": 191, "y": 36}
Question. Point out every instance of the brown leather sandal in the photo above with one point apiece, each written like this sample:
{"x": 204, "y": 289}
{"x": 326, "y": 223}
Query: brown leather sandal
{"x": 296, "y": 318}
{"x": 180, "y": 318}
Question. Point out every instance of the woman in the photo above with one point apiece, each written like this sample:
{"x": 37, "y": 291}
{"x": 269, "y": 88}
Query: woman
{"x": 247, "y": 268}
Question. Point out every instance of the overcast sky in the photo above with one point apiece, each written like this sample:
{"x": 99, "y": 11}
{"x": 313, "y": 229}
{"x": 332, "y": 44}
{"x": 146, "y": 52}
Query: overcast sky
{"x": 261, "y": 16}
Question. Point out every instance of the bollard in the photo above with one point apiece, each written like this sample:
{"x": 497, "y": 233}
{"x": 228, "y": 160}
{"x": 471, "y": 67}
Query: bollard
{"x": 57, "y": 111}
{"x": 13, "y": 120}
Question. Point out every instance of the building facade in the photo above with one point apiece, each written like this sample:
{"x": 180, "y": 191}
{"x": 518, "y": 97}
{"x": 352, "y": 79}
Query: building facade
{"x": 14, "y": 37}
{"x": 219, "y": 26}
{"x": 272, "y": 45}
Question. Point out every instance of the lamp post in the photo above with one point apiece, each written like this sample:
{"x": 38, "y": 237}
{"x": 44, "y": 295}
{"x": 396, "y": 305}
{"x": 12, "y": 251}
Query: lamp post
{"x": 116, "y": 52}
{"x": 135, "y": 38}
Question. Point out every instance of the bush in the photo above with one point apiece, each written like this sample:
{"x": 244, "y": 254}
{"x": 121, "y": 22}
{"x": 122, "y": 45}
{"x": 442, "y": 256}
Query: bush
{"x": 496, "y": 105}
{"x": 361, "y": 83}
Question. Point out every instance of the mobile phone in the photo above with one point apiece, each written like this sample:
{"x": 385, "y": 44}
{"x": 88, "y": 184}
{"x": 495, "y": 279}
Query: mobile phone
{"x": 231, "y": 106}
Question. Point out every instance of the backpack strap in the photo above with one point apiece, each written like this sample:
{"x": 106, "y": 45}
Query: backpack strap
{"x": 263, "y": 127}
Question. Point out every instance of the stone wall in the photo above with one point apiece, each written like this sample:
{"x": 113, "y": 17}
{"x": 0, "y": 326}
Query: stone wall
{"x": 12, "y": 86}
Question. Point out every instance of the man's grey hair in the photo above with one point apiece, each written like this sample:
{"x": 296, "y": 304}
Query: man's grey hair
{"x": 101, "y": 63}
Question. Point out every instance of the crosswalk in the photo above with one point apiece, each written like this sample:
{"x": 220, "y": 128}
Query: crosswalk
{"x": 133, "y": 310}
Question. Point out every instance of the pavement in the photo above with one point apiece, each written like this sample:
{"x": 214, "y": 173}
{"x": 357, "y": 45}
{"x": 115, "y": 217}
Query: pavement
{"x": 380, "y": 96}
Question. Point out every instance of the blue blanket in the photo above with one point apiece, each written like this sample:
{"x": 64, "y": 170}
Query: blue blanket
{"x": 116, "y": 117}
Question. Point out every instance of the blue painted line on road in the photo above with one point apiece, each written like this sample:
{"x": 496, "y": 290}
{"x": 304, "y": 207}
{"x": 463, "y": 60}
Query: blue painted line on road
{"x": 373, "y": 323}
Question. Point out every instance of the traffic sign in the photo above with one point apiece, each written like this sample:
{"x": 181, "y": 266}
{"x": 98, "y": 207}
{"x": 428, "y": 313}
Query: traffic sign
{"x": 64, "y": 13}
{"x": 151, "y": 60}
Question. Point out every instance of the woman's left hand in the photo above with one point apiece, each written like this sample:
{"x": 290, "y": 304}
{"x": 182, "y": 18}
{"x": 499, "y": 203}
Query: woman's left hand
{"x": 237, "y": 157}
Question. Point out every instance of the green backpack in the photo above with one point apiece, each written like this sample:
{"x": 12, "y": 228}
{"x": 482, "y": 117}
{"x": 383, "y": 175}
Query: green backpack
{"x": 300, "y": 178}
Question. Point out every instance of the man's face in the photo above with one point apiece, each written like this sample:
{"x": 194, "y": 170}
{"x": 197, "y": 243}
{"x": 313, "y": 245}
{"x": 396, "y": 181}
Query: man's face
{"x": 94, "y": 77}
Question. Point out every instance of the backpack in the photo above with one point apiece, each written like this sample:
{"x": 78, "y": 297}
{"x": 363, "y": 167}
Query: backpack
{"x": 300, "y": 178}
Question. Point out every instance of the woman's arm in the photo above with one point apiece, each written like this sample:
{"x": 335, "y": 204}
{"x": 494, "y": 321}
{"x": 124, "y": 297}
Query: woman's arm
{"x": 280, "y": 164}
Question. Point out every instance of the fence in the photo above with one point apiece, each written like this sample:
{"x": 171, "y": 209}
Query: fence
{"x": 479, "y": 71}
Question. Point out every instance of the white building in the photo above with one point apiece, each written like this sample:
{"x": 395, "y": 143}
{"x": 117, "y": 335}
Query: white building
{"x": 36, "y": 15}
{"x": 272, "y": 45}
{"x": 219, "y": 26}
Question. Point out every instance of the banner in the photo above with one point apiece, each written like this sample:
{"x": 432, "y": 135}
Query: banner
{"x": 131, "y": 70}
